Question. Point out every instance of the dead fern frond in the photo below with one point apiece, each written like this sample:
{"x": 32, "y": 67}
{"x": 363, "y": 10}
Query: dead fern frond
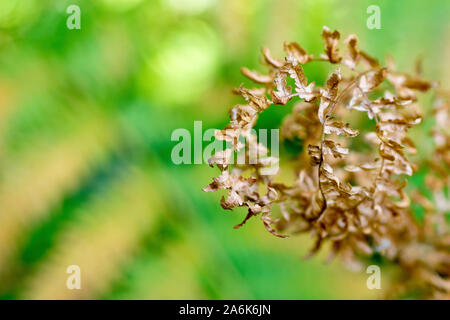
{"x": 354, "y": 200}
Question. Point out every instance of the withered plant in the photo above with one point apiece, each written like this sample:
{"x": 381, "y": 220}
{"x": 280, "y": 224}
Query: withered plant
{"x": 350, "y": 184}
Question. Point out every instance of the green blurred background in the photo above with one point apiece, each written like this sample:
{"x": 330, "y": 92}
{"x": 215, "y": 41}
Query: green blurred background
{"x": 86, "y": 118}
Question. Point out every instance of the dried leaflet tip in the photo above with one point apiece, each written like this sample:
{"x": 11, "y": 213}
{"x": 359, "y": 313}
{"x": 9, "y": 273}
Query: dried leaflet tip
{"x": 331, "y": 40}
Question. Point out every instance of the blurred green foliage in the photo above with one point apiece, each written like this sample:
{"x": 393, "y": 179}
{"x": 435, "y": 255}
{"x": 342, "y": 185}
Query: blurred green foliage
{"x": 86, "y": 118}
